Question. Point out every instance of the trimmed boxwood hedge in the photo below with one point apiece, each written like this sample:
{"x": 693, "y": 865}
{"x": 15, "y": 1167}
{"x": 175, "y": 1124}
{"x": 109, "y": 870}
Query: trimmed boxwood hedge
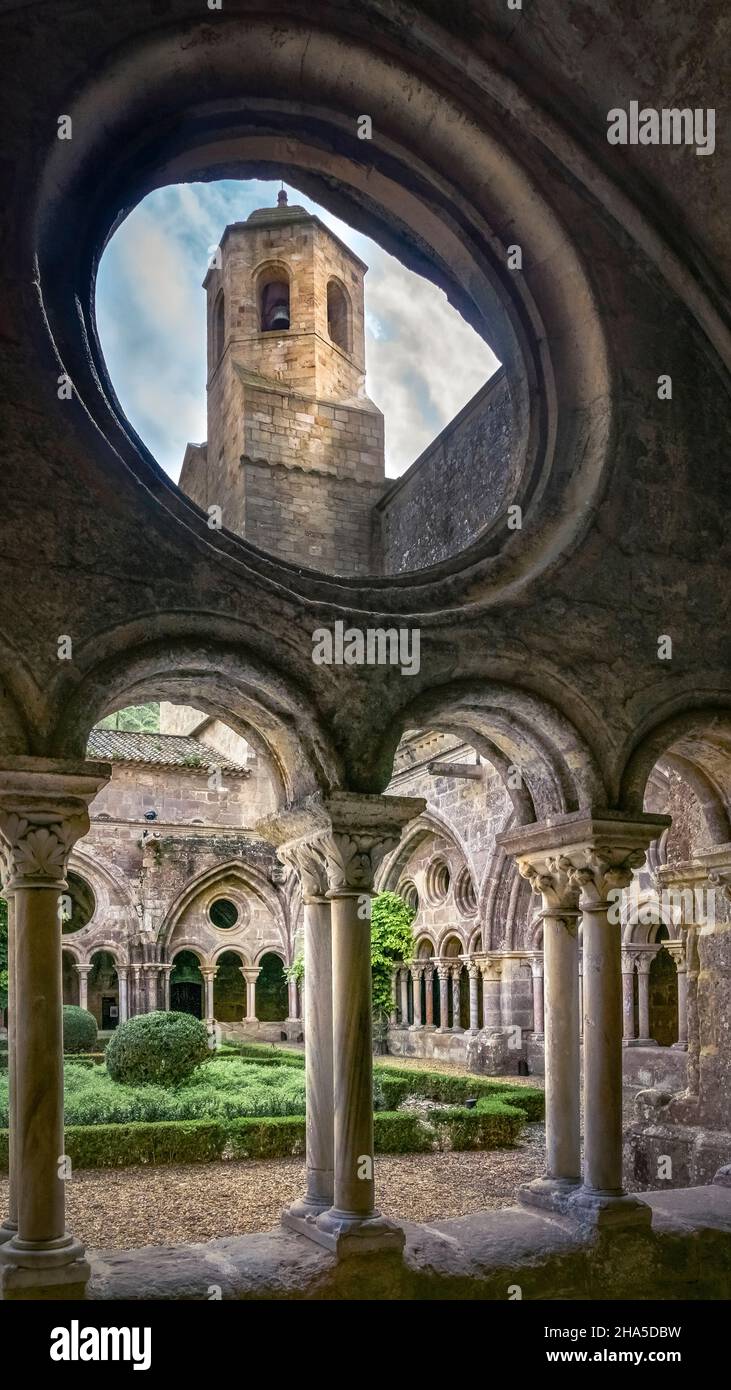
{"x": 161, "y": 1048}
{"x": 79, "y": 1029}
{"x": 451, "y": 1089}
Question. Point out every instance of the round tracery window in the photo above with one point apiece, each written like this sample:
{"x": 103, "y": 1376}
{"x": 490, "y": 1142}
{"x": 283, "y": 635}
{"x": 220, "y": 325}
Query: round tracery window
{"x": 224, "y": 914}
{"x": 438, "y": 879}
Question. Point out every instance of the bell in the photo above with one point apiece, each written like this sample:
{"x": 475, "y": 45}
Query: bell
{"x": 279, "y": 319}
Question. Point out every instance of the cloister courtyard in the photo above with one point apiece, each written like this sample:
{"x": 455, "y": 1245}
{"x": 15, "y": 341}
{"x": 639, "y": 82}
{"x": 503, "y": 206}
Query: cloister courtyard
{"x": 365, "y": 719}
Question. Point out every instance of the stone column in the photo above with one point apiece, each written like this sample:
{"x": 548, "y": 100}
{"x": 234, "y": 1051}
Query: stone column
{"x": 9, "y": 1226}
{"x": 677, "y": 951}
{"x": 491, "y": 1005}
{"x": 473, "y": 973}
{"x": 43, "y": 812}
{"x": 404, "y": 978}
{"x": 443, "y": 973}
{"x": 137, "y": 1006}
{"x": 628, "y": 996}
{"x": 83, "y": 972}
{"x": 291, "y": 1001}
{"x": 209, "y": 975}
{"x": 311, "y": 867}
{"x": 151, "y": 990}
{"x": 429, "y": 991}
{"x": 536, "y": 966}
{"x": 550, "y": 875}
{"x": 165, "y": 973}
{"x": 644, "y": 961}
{"x": 416, "y": 972}
{"x": 251, "y": 974}
{"x": 123, "y": 978}
{"x": 359, "y": 831}
{"x": 691, "y": 1011}
{"x": 581, "y": 993}
{"x": 456, "y": 972}
{"x": 393, "y": 1015}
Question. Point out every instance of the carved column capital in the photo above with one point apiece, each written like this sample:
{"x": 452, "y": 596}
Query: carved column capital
{"x": 628, "y": 962}
{"x": 43, "y": 812}
{"x": 349, "y": 833}
{"x": 536, "y": 967}
{"x": 551, "y": 876}
{"x": 82, "y": 969}
{"x": 308, "y": 861}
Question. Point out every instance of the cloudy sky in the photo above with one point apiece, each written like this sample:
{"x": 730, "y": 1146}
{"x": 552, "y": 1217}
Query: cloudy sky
{"x": 423, "y": 361}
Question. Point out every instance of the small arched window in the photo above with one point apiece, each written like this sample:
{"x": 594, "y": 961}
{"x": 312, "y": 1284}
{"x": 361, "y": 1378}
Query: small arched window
{"x": 274, "y": 306}
{"x": 338, "y": 316}
{"x": 219, "y": 326}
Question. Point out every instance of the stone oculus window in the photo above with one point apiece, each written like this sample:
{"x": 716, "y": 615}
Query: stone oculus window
{"x": 78, "y": 904}
{"x": 224, "y": 914}
{"x": 438, "y": 880}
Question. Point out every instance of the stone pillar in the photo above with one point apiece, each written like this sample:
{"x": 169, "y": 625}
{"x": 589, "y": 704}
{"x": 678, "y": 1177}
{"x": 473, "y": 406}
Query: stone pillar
{"x": 677, "y": 951}
{"x": 291, "y": 1001}
{"x": 536, "y": 966}
{"x": 151, "y": 990}
{"x": 9, "y": 1226}
{"x": 83, "y": 972}
{"x": 628, "y": 996}
{"x": 393, "y": 1015}
{"x": 123, "y": 978}
{"x": 691, "y": 1012}
{"x": 473, "y": 973}
{"x": 443, "y": 973}
{"x": 404, "y": 978}
{"x": 251, "y": 974}
{"x": 43, "y": 812}
{"x": 416, "y": 972}
{"x": 491, "y": 1005}
{"x": 358, "y": 831}
{"x": 165, "y": 973}
{"x": 137, "y": 1006}
{"x": 209, "y": 975}
{"x": 311, "y": 867}
{"x": 456, "y": 972}
{"x": 644, "y": 961}
{"x": 429, "y": 992}
{"x": 581, "y": 993}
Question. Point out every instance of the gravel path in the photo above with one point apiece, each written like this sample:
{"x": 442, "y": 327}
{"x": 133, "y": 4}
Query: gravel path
{"x": 122, "y": 1208}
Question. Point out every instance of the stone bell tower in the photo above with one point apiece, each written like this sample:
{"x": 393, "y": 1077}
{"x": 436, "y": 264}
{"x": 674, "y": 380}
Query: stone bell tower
{"x": 294, "y": 456}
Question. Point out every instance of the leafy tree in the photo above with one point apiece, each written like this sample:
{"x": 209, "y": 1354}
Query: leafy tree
{"x": 138, "y": 719}
{"x": 391, "y": 941}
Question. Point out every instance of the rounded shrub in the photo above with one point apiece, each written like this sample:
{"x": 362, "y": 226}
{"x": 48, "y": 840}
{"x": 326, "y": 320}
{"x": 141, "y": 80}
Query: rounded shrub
{"x": 79, "y": 1029}
{"x": 158, "y": 1048}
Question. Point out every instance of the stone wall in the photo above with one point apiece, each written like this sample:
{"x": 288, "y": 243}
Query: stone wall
{"x": 461, "y": 483}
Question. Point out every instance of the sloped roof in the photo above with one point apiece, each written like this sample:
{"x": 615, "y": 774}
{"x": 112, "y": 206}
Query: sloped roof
{"x": 161, "y": 750}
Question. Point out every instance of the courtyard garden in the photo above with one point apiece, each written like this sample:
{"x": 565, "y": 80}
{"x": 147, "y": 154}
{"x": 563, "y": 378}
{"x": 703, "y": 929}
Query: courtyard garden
{"x": 145, "y": 1111}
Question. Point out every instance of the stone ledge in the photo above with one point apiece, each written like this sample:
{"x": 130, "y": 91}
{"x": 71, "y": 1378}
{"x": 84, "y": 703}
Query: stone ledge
{"x": 686, "y": 1254}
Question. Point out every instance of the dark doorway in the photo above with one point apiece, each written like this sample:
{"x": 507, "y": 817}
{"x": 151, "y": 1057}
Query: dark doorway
{"x": 110, "y": 1011}
{"x": 186, "y": 997}
{"x": 271, "y": 990}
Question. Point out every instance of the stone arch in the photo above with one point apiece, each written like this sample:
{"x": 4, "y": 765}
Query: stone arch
{"x": 195, "y": 949}
{"x": 517, "y": 732}
{"x": 427, "y": 197}
{"x": 112, "y": 893}
{"x": 423, "y": 948}
{"x": 451, "y": 943}
{"x": 187, "y": 991}
{"x": 697, "y": 744}
{"x": 69, "y": 976}
{"x": 103, "y": 991}
{"x": 211, "y": 882}
{"x": 223, "y": 680}
{"x": 273, "y": 282}
{"x": 229, "y": 987}
{"x": 218, "y": 328}
{"x": 271, "y": 987}
{"x": 339, "y": 315}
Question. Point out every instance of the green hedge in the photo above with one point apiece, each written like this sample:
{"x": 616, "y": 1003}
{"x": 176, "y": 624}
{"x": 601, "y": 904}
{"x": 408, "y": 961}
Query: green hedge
{"x": 267, "y": 1054}
{"x": 79, "y": 1029}
{"x": 159, "y": 1048}
{"x": 451, "y": 1089}
{"x": 492, "y": 1124}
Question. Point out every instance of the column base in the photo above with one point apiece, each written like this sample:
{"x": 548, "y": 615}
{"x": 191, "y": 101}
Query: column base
{"x": 594, "y": 1207}
{"x": 36, "y": 1270}
{"x": 679, "y": 1047}
{"x": 551, "y": 1194}
{"x": 8, "y": 1230}
{"x": 346, "y": 1234}
{"x": 639, "y": 1042}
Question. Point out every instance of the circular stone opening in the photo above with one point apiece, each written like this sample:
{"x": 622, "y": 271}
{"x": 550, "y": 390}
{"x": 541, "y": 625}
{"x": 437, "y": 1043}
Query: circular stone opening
{"x": 464, "y": 893}
{"x": 409, "y": 893}
{"x": 224, "y": 914}
{"x": 438, "y": 880}
{"x": 78, "y": 904}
